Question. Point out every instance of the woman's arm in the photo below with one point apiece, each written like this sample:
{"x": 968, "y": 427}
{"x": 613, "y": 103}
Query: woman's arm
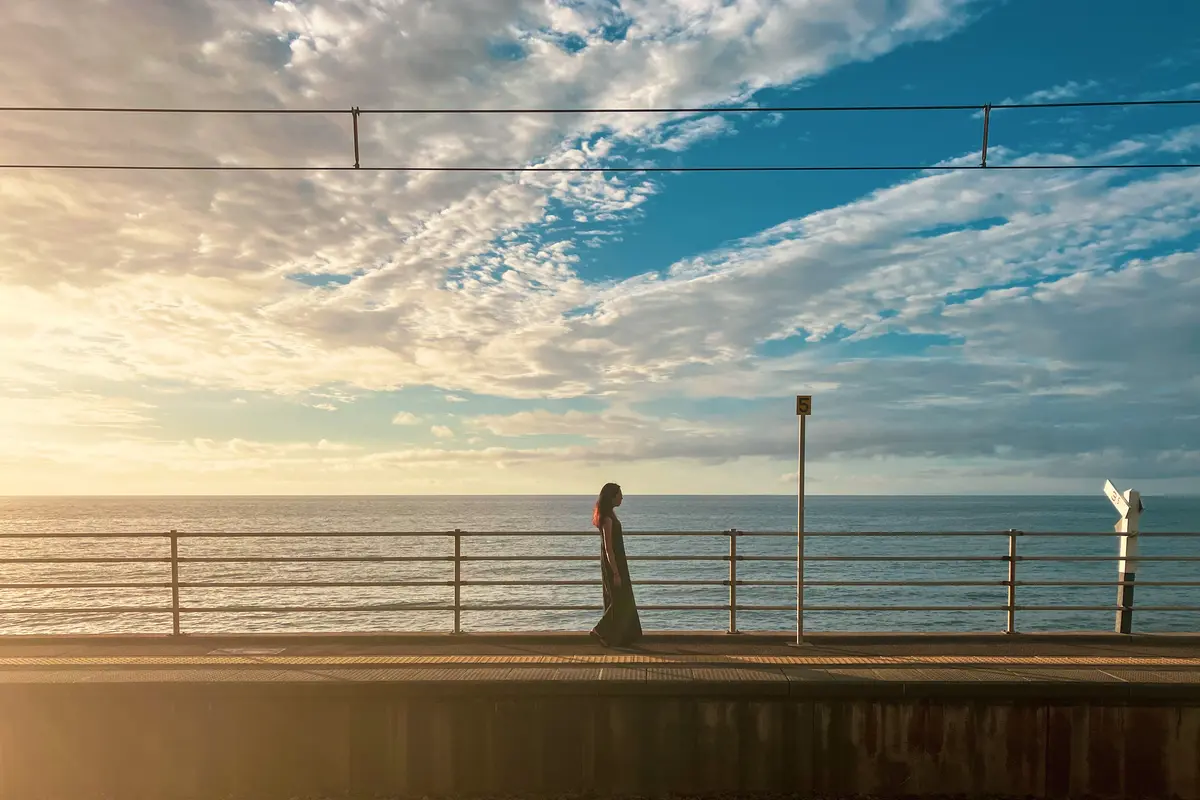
{"x": 606, "y": 535}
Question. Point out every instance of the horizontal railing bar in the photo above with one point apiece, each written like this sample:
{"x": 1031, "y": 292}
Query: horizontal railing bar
{"x": 389, "y": 607}
{"x": 1108, "y": 583}
{"x": 875, "y": 534}
{"x": 353, "y": 534}
{"x": 467, "y": 534}
{"x": 597, "y": 582}
{"x": 310, "y": 559}
{"x": 532, "y": 558}
{"x": 741, "y": 607}
{"x": 1109, "y": 607}
{"x": 98, "y": 560}
{"x": 900, "y": 583}
{"x": 81, "y": 585}
{"x": 903, "y": 608}
{"x": 887, "y": 558}
{"x": 89, "y": 610}
{"x": 597, "y": 608}
{"x": 789, "y": 559}
{"x": 369, "y": 584}
{"x": 1022, "y": 534}
{"x": 1106, "y": 558}
{"x": 439, "y": 607}
{"x": 597, "y": 558}
{"x": 304, "y": 584}
{"x": 312, "y": 609}
{"x": 87, "y": 535}
{"x": 1167, "y": 608}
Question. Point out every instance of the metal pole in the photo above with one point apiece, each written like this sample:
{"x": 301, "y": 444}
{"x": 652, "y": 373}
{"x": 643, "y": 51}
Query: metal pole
{"x": 803, "y": 409}
{"x": 354, "y": 112}
{"x": 457, "y": 580}
{"x": 1012, "y": 582}
{"x": 987, "y": 120}
{"x": 733, "y": 534}
{"x": 175, "y": 629}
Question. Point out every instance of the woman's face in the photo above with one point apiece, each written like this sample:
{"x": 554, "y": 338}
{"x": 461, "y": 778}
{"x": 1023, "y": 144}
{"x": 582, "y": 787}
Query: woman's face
{"x": 617, "y": 500}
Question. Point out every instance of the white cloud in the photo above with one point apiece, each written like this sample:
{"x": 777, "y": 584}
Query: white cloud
{"x": 455, "y": 281}
{"x": 678, "y": 138}
{"x": 1063, "y": 92}
{"x": 203, "y": 257}
{"x": 405, "y": 418}
{"x": 33, "y": 413}
{"x": 442, "y": 432}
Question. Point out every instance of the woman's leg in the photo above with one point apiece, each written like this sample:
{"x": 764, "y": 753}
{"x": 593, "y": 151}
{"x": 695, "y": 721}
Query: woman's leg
{"x": 605, "y": 628}
{"x": 626, "y": 625}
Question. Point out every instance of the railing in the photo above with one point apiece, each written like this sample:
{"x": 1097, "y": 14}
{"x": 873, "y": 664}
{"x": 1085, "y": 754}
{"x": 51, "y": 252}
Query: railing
{"x": 456, "y": 557}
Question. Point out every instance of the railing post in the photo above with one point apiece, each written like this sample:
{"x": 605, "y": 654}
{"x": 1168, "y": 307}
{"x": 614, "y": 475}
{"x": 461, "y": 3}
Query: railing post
{"x": 175, "y": 628}
{"x": 1129, "y": 506}
{"x": 457, "y": 580}
{"x": 1011, "y": 626}
{"x": 733, "y": 556}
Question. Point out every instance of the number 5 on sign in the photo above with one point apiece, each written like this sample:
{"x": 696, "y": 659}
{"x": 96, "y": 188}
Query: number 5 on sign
{"x": 803, "y": 405}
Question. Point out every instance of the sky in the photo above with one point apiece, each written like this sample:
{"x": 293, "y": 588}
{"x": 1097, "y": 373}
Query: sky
{"x": 366, "y": 332}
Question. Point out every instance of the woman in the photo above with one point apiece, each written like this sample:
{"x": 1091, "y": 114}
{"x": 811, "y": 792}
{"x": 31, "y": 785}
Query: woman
{"x": 620, "y": 625}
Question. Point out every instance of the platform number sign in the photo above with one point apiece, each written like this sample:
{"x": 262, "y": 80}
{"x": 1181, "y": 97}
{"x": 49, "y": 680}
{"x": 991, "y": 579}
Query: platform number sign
{"x": 803, "y": 405}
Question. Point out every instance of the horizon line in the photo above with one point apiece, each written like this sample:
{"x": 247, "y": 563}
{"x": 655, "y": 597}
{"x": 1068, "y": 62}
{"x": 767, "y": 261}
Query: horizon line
{"x": 792, "y": 495}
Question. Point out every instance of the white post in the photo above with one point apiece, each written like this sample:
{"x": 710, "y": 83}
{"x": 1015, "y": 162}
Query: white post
{"x": 803, "y": 410}
{"x": 1129, "y": 506}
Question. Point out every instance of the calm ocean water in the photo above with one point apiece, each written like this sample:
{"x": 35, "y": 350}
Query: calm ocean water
{"x": 350, "y": 514}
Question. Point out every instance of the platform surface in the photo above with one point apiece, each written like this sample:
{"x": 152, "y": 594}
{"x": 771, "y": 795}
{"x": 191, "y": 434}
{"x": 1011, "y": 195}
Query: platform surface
{"x": 1161, "y": 666}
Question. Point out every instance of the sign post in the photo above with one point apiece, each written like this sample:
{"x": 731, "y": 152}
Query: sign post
{"x": 1129, "y": 506}
{"x": 803, "y": 410}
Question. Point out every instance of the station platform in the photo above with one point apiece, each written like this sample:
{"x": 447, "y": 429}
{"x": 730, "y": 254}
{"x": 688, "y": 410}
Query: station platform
{"x": 1061, "y": 665}
{"x": 552, "y": 715}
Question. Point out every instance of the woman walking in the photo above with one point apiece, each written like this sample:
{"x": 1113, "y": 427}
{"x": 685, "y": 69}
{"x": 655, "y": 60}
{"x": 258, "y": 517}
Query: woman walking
{"x": 620, "y": 625}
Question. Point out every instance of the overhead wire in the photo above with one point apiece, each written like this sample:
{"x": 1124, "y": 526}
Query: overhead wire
{"x": 356, "y": 111}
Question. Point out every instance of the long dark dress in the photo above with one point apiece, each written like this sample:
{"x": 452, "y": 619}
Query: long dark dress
{"x": 620, "y": 624}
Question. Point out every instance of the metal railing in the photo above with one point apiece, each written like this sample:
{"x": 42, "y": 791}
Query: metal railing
{"x": 1009, "y": 559}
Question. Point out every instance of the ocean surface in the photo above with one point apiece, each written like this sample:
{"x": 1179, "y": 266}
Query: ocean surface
{"x": 321, "y": 515}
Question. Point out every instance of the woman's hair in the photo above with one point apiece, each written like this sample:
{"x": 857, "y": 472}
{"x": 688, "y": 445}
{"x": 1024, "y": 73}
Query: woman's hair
{"x": 604, "y": 503}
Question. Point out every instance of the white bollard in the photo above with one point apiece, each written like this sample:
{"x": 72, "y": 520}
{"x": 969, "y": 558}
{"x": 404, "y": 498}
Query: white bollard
{"x": 1129, "y": 506}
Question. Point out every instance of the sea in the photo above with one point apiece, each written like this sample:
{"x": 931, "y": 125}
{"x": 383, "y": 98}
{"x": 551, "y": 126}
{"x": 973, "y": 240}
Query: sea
{"x": 26, "y": 609}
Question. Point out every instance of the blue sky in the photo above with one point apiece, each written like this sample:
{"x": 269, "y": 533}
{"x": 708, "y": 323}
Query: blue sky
{"x": 366, "y": 332}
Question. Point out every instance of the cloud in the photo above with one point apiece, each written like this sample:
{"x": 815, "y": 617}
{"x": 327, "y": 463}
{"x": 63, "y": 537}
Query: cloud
{"x": 35, "y": 413}
{"x": 678, "y": 138}
{"x": 442, "y": 432}
{"x": 405, "y": 418}
{"x": 1037, "y": 323}
{"x": 1057, "y": 94}
{"x": 434, "y": 293}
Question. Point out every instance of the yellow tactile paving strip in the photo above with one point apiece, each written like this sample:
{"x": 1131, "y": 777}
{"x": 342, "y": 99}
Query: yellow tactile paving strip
{"x": 593, "y": 660}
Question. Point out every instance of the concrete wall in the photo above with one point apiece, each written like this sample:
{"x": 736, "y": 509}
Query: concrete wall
{"x": 169, "y": 741}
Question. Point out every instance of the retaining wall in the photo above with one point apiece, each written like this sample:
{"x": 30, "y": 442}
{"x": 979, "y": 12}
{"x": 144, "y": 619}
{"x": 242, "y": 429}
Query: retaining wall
{"x": 259, "y": 740}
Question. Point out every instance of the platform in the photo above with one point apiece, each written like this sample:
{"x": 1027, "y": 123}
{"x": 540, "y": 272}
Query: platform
{"x": 270, "y": 718}
{"x": 1058, "y": 665}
